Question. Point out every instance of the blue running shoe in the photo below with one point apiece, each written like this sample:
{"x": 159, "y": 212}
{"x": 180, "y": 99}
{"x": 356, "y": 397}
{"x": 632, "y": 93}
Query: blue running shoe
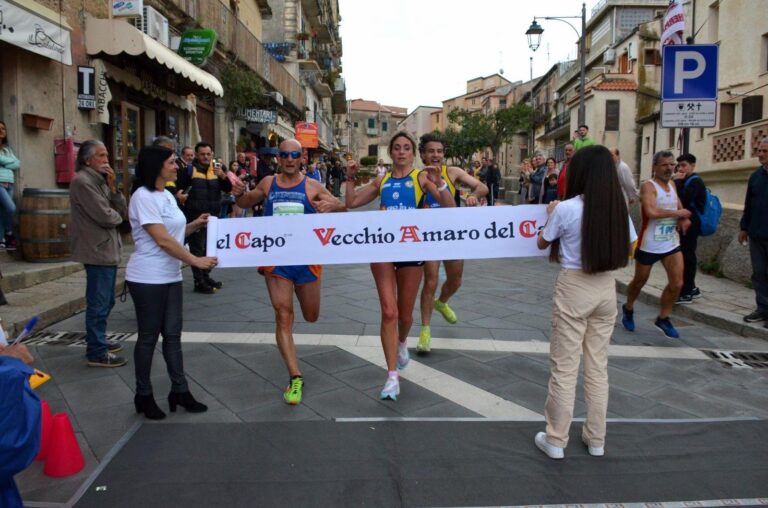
{"x": 391, "y": 389}
{"x": 665, "y": 325}
{"x": 628, "y": 319}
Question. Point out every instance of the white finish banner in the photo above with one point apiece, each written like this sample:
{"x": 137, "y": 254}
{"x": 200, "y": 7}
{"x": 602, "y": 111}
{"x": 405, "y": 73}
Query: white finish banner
{"x": 364, "y": 237}
{"x": 29, "y": 31}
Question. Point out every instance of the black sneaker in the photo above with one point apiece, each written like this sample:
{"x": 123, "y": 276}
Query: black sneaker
{"x": 205, "y": 288}
{"x": 108, "y": 360}
{"x": 213, "y": 283}
{"x": 114, "y": 347}
{"x": 696, "y": 293}
{"x": 684, "y": 299}
{"x": 755, "y": 317}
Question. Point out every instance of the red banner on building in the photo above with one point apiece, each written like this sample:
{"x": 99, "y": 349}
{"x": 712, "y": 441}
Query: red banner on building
{"x": 306, "y": 134}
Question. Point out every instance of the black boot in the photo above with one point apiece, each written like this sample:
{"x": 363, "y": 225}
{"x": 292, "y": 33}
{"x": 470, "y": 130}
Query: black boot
{"x": 146, "y": 404}
{"x": 185, "y": 400}
{"x": 213, "y": 283}
{"x": 204, "y": 287}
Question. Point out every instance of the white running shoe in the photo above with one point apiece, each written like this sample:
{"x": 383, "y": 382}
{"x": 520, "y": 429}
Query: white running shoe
{"x": 595, "y": 451}
{"x": 391, "y": 389}
{"x": 403, "y": 356}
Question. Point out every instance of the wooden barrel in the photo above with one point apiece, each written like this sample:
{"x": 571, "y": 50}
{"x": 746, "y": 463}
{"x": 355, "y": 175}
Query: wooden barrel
{"x": 44, "y": 225}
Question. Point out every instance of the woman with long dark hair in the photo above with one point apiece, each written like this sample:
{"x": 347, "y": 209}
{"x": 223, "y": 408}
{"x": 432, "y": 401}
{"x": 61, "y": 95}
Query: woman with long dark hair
{"x": 153, "y": 274}
{"x": 398, "y": 283}
{"x": 9, "y": 164}
{"x": 590, "y": 234}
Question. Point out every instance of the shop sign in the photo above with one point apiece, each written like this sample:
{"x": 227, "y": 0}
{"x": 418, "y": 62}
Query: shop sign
{"x": 103, "y": 94}
{"x": 86, "y": 87}
{"x": 197, "y": 44}
{"x": 33, "y": 33}
{"x": 127, "y": 7}
{"x": 306, "y": 134}
{"x": 257, "y": 115}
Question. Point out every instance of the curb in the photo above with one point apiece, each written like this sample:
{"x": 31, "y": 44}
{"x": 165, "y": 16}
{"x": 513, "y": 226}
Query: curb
{"x": 711, "y": 316}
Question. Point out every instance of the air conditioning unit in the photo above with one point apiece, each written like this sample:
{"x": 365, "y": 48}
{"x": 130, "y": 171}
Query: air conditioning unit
{"x": 632, "y": 51}
{"x": 277, "y": 96}
{"x": 154, "y": 25}
{"x": 609, "y": 56}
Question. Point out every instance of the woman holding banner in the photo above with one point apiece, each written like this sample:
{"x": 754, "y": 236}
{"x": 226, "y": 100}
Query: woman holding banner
{"x": 153, "y": 275}
{"x": 590, "y": 234}
{"x": 397, "y": 283}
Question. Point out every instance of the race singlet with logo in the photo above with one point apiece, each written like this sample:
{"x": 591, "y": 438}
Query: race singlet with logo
{"x": 430, "y": 202}
{"x": 401, "y": 193}
{"x": 288, "y": 201}
{"x": 659, "y": 236}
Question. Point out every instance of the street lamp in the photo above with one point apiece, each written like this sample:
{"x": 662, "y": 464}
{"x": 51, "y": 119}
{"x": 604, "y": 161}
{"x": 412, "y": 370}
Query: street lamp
{"x": 534, "y": 40}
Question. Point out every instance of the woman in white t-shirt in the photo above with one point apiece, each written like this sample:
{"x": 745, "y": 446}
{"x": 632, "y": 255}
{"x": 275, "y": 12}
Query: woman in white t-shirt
{"x": 154, "y": 279}
{"x": 590, "y": 234}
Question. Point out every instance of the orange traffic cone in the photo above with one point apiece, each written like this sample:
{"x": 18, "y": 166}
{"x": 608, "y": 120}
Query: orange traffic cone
{"x": 45, "y": 430}
{"x": 64, "y": 455}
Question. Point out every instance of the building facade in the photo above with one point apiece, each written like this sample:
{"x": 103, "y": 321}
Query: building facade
{"x": 367, "y": 127}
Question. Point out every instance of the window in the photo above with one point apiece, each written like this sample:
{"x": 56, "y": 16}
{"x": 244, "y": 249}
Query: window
{"x": 727, "y": 115}
{"x": 373, "y": 150}
{"x": 713, "y": 20}
{"x": 647, "y": 144}
{"x": 356, "y": 125}
{"x": 384, "y": 126}
{"x": 752, "y": 108}
{"x": 611, "y": 115}
{"x": 672, "y": 141}
{"x": 764, "y": 54}
{"x": 652, "y": 57}
{"x": 503, "y": 104}
{"x": 371, "y": 123}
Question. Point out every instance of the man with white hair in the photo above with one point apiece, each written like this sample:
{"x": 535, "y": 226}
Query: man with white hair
{"x": 754, "y": 228}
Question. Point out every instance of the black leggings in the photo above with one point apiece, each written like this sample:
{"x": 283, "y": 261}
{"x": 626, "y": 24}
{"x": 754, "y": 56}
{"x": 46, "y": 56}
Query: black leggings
{"x": 158, "y": 311}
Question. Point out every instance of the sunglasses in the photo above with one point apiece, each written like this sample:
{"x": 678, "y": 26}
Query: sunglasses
{"x": 296, "y": 154}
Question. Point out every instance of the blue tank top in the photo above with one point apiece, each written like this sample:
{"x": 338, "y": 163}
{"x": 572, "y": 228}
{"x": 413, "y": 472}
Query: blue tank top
{"x": 400, "y": 193}
{"x": 290, "y": 201}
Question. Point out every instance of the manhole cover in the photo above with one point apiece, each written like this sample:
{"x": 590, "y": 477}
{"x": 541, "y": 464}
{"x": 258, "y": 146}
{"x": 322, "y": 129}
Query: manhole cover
{"x": 68, "y": 338}
{"x": 739, "y": 359}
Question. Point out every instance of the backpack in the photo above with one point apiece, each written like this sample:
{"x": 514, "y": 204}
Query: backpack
{"x": 710, "y": 215}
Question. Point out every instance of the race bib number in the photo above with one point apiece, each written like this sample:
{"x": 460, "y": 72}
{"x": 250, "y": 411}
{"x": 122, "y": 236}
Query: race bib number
{"x": 665, "y": 230}
{"x": 287, "y": 208}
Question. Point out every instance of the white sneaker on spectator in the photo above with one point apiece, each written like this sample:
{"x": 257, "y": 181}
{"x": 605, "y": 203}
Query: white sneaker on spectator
{"x": 550, "y": 450}
{"x": 595, "y": 451}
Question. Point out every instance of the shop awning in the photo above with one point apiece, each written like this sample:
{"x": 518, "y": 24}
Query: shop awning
{"x": 35, "y": 28}
{"x": 116, "y": 36}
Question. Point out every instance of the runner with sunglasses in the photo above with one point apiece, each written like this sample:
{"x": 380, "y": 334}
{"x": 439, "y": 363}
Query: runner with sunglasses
{"x": 403, "y": 188}
{"x": 290, "y": 193}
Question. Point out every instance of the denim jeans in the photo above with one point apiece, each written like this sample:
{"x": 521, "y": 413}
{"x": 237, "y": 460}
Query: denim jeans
{"x": 758, "y": 251}
{"x": 158, "y": 311}
{"x": 99, "y": 300}
{"x": 7, "y": 209}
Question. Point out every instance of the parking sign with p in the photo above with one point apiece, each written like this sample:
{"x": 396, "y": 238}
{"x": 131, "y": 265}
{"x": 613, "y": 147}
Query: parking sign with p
{"x": 689, "y": 72}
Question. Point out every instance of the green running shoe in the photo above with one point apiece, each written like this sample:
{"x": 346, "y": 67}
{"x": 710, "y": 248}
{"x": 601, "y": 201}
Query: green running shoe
{"x": 292, "y": 394}
{"x": 446, "y": 311}
{"x": 425, "y": 337}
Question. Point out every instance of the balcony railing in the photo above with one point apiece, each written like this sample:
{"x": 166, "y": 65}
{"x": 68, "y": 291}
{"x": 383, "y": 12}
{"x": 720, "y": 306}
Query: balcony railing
{"x": 234, "y": 36}
{"x": 559, "y": 121}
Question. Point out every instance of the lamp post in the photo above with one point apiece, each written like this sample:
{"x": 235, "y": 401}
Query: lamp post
{"x": 534, "y": 40}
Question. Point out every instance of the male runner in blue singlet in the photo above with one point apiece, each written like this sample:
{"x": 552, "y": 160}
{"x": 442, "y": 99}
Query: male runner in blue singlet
{"x": 290, "y": 193}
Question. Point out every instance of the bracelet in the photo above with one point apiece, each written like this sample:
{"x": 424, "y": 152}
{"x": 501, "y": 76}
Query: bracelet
{"x": 442, "y": 187}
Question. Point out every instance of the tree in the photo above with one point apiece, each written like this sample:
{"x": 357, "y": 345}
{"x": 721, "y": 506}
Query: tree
{"x": 480, "y": 130}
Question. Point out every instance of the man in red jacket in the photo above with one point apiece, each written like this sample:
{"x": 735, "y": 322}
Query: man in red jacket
{"x": 561, "y": 177}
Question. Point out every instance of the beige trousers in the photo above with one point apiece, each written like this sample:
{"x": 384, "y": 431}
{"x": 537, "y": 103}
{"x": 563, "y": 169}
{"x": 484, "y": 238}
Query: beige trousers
{"x": 583, "y": 316}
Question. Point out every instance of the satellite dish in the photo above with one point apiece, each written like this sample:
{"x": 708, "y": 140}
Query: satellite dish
{"x": 501, "y": 71}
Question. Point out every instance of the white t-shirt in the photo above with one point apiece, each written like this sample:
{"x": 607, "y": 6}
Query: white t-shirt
{"x": 565, "y": 224}
{"x": 149, "y": 264}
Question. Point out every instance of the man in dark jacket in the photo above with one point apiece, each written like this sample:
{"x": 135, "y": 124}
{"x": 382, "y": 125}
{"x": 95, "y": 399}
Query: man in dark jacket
{"x": 755, "y": 228}
{"x": 206, "y": 183}
{"x": 693, "y": 195}
{"x": 492, "y": 180}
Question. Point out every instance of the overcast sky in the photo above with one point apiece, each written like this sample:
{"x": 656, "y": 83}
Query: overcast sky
{"x": 420, "y": 52}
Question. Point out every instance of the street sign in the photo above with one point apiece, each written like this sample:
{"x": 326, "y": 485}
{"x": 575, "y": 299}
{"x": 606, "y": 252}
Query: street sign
{"x": 688, "y": 114}
{"x": 86, "y": 87}
{"x": 689, "y": 72}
